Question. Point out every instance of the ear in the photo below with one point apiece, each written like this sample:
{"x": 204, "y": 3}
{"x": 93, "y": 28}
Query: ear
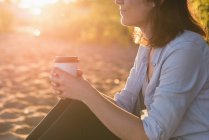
{"x": 161, "y": 2}
{"x": 153, "y": 4}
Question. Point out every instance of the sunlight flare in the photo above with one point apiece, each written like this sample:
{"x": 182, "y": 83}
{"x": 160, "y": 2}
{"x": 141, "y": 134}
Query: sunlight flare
{"x": 36, "y": 32}
{"x": 35, "y": 3}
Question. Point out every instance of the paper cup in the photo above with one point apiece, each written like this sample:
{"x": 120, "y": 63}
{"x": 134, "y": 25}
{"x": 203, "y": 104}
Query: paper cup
{"x": 67, "y": 63}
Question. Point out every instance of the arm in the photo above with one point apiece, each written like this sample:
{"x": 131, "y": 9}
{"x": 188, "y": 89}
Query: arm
{"x": 182, "y": 77}
{"x": 180, "y": 82}
{"x": 128, "y": 96}
{"x": 109, "y": 98}
{"x": 115, "y": 114}
{"x": 116, "y": 119}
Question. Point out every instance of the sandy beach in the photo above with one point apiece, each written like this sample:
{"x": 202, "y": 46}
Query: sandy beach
{"x": 25, "y": 63}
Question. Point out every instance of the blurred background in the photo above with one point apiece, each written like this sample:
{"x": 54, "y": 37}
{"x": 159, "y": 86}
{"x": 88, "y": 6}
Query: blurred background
{"x": 33, "y": 32}
{"x": 88, "y": 21}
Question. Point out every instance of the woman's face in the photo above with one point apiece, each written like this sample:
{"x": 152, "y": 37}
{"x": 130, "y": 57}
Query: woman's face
{"x": 135, "y": 12}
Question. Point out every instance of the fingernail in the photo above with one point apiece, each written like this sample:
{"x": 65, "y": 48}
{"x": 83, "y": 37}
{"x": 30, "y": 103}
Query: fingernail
{"x": 55, "y": 74}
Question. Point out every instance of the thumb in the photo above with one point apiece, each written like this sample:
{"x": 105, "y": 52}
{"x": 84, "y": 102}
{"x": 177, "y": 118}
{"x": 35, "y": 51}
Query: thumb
{"x": 79, "y": 73}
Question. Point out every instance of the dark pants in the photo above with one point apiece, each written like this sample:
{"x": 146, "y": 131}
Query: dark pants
{"x": 71, "y": 120}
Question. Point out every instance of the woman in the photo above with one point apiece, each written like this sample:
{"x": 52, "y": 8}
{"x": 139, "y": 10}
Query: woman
{"x": 170, "y": 77}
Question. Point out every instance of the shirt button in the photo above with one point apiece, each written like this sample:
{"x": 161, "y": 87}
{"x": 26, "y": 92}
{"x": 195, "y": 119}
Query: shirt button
{"x": 154, "y": 64}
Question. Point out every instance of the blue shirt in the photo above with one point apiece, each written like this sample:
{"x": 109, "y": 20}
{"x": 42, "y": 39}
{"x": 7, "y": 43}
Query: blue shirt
{"x": 177, "y": 96}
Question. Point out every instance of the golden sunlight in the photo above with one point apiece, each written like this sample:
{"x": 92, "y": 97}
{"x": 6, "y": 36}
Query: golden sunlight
{"x": 36, "y": 6}
{"x": 35, "y": 3}
{"x": 36, "y": 11}
{"x": 36, "y": 32}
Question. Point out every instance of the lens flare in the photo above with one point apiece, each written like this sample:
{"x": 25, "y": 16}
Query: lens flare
{"x": 35, "y": 3}
{"x": 36, "y": 32}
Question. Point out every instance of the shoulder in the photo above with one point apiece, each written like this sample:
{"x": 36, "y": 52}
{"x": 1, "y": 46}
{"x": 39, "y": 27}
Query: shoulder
{"x": 189, "y": 42}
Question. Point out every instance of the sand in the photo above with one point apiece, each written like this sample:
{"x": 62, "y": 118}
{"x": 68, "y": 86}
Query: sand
{"x": 25, "y": 63}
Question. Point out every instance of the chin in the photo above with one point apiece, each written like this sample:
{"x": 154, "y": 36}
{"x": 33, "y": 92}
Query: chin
{"x": 127, "y": 22}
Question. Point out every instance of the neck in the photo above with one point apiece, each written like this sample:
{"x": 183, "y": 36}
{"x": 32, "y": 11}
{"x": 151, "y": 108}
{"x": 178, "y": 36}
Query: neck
{"x": 146, "y": 34}
{"x": 146, "y": 31}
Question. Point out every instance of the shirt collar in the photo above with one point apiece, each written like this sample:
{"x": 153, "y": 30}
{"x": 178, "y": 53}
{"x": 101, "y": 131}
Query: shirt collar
{"x": 156, "y": 56}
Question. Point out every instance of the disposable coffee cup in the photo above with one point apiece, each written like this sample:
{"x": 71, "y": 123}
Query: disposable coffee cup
{"x": 67, "y": 63}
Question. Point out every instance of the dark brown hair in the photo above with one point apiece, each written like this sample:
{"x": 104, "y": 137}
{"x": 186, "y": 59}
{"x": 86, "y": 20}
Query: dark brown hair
{"x": 169, "y": 18}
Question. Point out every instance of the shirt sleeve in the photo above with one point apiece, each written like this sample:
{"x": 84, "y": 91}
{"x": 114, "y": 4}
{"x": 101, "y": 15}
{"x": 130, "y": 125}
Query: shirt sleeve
{"x": 126, "y": 98}
{"x": 180, "y": 81}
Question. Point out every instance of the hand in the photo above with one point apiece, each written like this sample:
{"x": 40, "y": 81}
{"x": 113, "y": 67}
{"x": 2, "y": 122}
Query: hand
{"x": 66, "y": 85}
{"x": 55, "y": 85}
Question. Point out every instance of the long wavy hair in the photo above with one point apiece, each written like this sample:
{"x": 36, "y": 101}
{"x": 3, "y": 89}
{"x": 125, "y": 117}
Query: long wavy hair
{"x": 169, "y": 18}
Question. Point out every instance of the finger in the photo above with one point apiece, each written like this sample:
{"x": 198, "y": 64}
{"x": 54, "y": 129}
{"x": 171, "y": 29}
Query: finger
{"x": 57, "y": 92}
{"x": 55, "y": 84}
{"x": 52, "y": 77}
{"x": 55, "y": 79}
{"x": 52, "y": 72}
{"x": 56, "y": 89}
{"x": 59, "y": 88}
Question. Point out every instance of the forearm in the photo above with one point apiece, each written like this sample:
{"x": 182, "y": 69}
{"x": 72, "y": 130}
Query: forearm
{"x": 116, "y": 119}
{"x": 109, "y": 98}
